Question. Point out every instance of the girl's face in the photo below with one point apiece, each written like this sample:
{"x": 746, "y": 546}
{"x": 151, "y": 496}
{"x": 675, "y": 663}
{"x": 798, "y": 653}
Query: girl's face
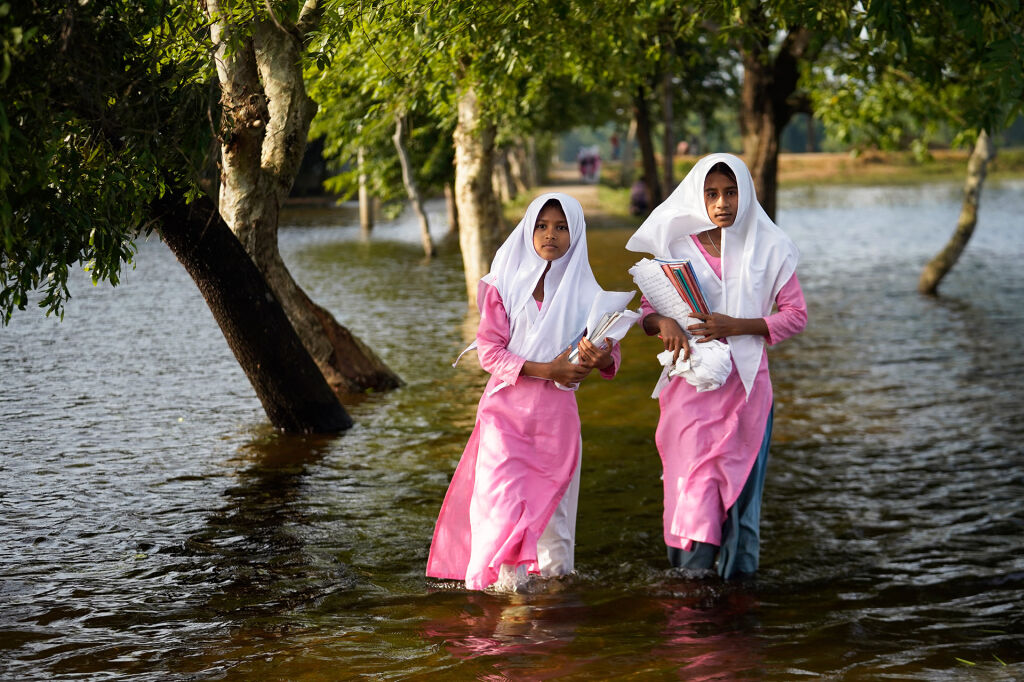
{"x": 551, "y": 233}
{"x": 721, "y": 197}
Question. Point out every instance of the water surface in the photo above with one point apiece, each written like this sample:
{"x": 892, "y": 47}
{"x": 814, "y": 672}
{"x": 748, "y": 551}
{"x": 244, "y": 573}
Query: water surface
{"x": 155, "y": 527}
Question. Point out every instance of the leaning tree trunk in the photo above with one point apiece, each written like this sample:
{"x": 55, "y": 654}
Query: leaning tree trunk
{"x": 410, "y": 184}
{"x": 480, "y": 222}
{"x": 643, "y": 135}
{"x": 287, "y": 382}
{"x": 943, "y": 262}
{"x": 768, "y": 103}
{"x": 266, "y": 119}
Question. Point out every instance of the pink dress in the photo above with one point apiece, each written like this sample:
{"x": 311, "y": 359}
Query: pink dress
{"x": 516, "y": 467}
{"x": 709, "y": 441}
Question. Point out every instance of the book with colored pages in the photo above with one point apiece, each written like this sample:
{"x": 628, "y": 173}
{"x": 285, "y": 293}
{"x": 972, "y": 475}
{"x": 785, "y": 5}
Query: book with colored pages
{"x": 683, "y": 278}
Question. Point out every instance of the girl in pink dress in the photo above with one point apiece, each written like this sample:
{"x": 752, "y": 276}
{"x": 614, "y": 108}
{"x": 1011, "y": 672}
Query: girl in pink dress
{"x": 714, "y": 444}
{"x": 510, "y": 509}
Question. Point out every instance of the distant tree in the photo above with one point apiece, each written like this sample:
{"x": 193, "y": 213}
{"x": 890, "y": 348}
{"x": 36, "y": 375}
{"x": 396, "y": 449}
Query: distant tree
{"x": 779, "y": 41}
{"x": 912, "y": 78}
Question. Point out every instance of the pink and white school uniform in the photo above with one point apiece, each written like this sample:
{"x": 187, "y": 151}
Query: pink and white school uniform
{"x": 710, "y": 441}
{"x": 511, "y": 504}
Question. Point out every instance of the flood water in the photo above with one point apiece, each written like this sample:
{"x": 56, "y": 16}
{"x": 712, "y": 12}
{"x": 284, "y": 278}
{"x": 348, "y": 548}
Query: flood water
{"x": 154, "y": 527}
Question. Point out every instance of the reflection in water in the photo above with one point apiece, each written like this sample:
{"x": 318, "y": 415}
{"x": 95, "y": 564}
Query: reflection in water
{"x": 153, "y": 527}
{"x": 503, "y": 625}
{"x": 712, "y": 641}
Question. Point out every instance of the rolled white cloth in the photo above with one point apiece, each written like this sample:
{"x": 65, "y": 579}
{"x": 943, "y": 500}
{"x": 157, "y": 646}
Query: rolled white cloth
{"x": 706, "y": 369}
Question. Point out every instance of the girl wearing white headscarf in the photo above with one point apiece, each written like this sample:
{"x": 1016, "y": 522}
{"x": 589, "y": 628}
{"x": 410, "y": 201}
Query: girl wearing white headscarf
{"x": 510, "y": 509}
{"x": 714, "y": 444}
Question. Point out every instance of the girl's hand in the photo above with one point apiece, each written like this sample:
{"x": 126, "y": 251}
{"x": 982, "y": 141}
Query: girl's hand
{"x": 564, "y": 372}
{"x": 593, "y": 357}
{"x": 719, "y": 326}
{"x": 674, "y": 337}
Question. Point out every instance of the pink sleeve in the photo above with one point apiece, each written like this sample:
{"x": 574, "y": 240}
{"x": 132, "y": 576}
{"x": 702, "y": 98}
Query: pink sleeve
{"x": 613, "y": 369}
{"x": 492, "y": 337}
{"x": 645, "y": 309}
{"x": 791, "y": 317}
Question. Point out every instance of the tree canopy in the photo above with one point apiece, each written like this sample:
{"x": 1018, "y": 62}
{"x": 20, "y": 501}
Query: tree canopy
{"x": 97, "y": 120}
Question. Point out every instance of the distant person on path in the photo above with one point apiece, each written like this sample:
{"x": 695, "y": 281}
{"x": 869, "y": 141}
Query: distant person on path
{"x": 510, "y": 510}
{"x": 639, "y": 202}
{"x": 584, "y": 160}
{"x": 714, "y": 444}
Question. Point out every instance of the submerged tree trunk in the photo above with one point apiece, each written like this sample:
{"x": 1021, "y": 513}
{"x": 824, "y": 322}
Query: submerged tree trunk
{"x": 768, "y": 103}
{"x": 410, "y": 184}
{"x": 287, "y": 382}
{"x": 943, "y": 262}
{"x": 480, "y": 220}
{"x": 451, "y": 209}
{"x": 643, "y": 135}
{"x": 266, "y": 119}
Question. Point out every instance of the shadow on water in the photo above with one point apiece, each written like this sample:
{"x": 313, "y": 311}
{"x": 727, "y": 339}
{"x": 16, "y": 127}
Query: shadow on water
{"x": 154, "y": 527}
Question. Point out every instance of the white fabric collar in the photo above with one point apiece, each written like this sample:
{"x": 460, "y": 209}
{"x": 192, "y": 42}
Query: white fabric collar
{"x": 569, "y": 286}
{"x": 757, "y": 256}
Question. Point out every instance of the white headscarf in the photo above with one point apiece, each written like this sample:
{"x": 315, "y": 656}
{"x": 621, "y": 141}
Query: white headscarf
{"x": 757, "y": 256}
{"x": 569, "y": 286}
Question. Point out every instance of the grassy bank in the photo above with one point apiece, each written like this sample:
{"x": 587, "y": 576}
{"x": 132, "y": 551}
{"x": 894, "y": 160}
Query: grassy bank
{"x": 795, "y": 170}
{"x": 867, "y": 168}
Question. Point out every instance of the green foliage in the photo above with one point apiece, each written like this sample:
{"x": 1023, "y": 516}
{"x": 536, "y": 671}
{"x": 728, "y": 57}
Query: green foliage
{"x": 100, "y": 112}
{"x": 924, "y": 71}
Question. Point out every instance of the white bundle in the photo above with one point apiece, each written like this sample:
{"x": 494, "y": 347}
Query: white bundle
{"x": 709, "y": 363}
{"x": 706, "y": 369}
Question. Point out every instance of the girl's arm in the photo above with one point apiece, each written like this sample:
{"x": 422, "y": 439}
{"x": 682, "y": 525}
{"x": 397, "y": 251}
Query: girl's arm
{"x": 606, "y": 360}
{"x": 559, "y": 369}
{"x": 492, "y": 338}
{"x": 667, "y": 329}
{"x": 790, "y": 319}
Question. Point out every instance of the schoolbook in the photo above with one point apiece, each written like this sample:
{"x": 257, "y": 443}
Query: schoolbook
{"x": 684, "y": 280}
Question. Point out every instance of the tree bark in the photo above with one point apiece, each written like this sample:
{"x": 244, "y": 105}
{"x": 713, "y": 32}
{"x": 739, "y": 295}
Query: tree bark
{"x": 266, "y": 119}
{"x": 410, "y": 184}
{"x": 668, "y": 140}
{"x": 643, "y": 135}
{"x": 769, "y": 84}
{"x": 518, "y": 170}
{"x": 532, "y": 171}
{"x": 365, "y": 201}
{"x": 287, "y": 382}
{"x": 504, "y": 189}
{"x": 480, "y": 222}
{"x": 943, "y": 262}
{"x": 451, "y": 209}
{"x": 627, "y": 171}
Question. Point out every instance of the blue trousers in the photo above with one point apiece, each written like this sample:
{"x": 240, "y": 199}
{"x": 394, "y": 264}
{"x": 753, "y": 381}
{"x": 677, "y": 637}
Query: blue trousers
{"x": 741, "y": 531}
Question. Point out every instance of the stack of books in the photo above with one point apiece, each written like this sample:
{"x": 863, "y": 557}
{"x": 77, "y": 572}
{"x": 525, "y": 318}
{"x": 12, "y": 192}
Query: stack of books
{"x": 684, "y": 280}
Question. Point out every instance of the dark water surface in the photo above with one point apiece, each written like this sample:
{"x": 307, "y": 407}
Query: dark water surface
{"x": 153, "y": 526}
